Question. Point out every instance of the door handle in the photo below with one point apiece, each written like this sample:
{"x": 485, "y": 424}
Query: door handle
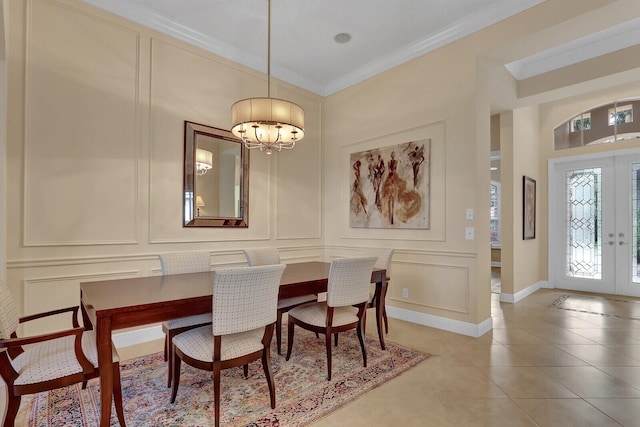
{"x": 622, "y": 243}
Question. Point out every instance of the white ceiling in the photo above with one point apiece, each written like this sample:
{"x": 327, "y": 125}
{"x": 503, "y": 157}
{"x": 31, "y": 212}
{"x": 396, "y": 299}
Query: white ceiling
{"x": 384, "y": 33}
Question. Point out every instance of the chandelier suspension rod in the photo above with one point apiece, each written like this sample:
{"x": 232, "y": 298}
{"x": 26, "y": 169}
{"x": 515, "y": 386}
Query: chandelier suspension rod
{"x": 269, "y": 51}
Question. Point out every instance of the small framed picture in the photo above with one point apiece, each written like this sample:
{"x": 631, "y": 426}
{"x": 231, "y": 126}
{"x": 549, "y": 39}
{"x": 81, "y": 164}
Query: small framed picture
{"x": 528, "y": 208}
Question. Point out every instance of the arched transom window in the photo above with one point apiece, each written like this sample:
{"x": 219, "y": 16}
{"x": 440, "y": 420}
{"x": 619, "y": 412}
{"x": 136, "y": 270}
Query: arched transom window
{"x": 605, "y": 124}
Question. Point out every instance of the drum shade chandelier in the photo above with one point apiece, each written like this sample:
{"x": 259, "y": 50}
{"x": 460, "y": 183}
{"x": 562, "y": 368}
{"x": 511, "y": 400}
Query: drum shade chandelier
{"x": 267, "y": 123}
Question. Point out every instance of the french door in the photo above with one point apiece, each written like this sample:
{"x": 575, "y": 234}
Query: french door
{"x": 594, "y": 223}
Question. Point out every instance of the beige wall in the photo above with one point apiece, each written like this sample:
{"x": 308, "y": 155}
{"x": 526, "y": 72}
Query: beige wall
{"x": 94, "y": 154}
{"x": 459, "y": 88}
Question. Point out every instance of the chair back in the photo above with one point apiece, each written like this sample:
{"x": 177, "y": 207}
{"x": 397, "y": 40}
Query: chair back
{"x": 8, "y": 313}
{"x": 384, "y": 257}
{"x": 349, "y": 280}
{"x": 262, "y": 256}
{"x": 185, "y": 262}
{"x": 245, "y": 298}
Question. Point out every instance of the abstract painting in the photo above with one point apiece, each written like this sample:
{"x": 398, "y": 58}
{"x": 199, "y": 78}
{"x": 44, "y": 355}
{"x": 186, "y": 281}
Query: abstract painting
{"x": 390, "y": 186}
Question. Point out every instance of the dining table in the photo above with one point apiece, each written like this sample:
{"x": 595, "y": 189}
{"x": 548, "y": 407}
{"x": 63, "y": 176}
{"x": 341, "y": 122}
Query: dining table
{"x": 109, "y": 305}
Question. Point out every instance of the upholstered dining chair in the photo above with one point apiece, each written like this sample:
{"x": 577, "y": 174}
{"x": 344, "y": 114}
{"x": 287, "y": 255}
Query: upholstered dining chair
{"x": 266, "y": 256}
{"x": 180, "y": 263}
{"x": 384, "y": 261}
{"x": 47, "y": 361}
{"x": 344, "y": 309}
{"x": 243, "y": 315}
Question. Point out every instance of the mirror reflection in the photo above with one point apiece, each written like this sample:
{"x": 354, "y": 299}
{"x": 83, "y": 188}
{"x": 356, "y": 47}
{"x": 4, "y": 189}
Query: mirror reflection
{"x": 216, "y": 178}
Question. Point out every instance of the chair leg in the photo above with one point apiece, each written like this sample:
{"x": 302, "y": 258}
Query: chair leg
{"x": 245, "y": 370}
{"x": 166, "y": 347}
{"x": 13, "y": 404}
{"x": 386, "y": 322}
{"x": 279, "y": 331}
{"x": 361, "y": 339}
{"x": 168, "y": 341}
{"x": 266, "y": 366}
{"x": 335, "y": 338}
{"x": 117, "y": 394}
{"x": 328, "y": 345}
{"x": 175, "y": 381}
{"x": 290, "y": 340}
{"x": 216, "y": 392}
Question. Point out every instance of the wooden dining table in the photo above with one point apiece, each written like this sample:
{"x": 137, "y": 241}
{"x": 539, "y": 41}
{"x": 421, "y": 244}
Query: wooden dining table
{"x": 109, "y": 305}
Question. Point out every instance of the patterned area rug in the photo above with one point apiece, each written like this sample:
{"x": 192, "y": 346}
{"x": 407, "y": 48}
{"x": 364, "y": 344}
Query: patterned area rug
{"x": 303, "y": 394}
{"x": 616, "y": 307}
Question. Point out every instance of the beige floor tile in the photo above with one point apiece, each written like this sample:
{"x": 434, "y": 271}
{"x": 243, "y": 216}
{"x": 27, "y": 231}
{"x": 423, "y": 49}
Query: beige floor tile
{"x": 628, "y": 374}
{"x": 555, "y": 335}
{"x": 624, "y": 411}
{"x": 609, "y": 336}
{"x": 485, "y": 412}
{"x": 527, "y": 382}
{"x": 462, "y": 382}
{"x": 589, "y": 381}
{"x": 599, "y": 355}
{"x": 515, "y": 336}
{"x": 491, "y": 355}
{"x": 546, "y": 355}
{"x": 632, "y": 351}
{"x": 565, "y": 413}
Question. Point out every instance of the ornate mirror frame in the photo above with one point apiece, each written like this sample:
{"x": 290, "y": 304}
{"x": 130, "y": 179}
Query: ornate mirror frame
{"x": 233, "y": 184}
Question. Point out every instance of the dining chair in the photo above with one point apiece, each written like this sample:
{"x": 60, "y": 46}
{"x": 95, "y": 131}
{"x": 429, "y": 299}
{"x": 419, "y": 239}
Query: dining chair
{"x": 344, "y": 309}
{"x": 47, "y": 361}
{"x": 266, "y": 256}
{"x": 180, "y": 263}
{"x": 384, "y": 261}
{"x": 243, "y": 315}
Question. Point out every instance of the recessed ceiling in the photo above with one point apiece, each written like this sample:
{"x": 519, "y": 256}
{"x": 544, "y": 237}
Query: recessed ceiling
{"x": 304, "y": 50}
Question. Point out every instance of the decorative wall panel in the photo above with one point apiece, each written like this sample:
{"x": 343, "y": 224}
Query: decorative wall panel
{"x": 81, "y": 115}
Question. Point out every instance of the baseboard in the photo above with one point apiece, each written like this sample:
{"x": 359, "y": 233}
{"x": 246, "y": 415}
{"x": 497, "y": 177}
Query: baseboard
{"x": 519, "y": 296}
{"x": 138, "y": 336}
{"x": 451, "y": 325}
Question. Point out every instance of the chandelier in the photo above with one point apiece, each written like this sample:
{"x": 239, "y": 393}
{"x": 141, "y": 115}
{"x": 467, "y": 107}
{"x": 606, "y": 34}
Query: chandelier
{"x": 267, "y": 123}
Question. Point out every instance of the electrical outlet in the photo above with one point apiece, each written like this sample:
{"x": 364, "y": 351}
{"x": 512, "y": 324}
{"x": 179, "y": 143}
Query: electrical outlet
{"x": 405, "y": 293}
{"x": 469, "y": 233}
{"x": 469, "y": 213}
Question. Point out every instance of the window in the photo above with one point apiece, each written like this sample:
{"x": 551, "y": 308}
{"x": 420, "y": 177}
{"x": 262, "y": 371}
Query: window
{"x": 494, "y": 224}
{"x": 620, "y": 114}
{"x": 604, "y": 124}
{"x": 582, "y": 122}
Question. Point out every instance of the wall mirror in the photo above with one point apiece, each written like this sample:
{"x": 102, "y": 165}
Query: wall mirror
{"x": 216, "y": 178}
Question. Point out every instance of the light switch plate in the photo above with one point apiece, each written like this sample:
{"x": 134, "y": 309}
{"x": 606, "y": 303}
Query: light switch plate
{"x": 469, "y": 233}
{"x": 469, "y": 213}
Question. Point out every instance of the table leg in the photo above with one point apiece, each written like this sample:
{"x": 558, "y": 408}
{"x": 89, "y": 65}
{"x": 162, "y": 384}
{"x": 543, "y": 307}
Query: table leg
{"x": 105, "y": 363}
{"x": 381, "y": 292}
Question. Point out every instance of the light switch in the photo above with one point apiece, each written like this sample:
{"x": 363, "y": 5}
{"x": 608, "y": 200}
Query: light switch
{"x": 469, "y": 213}
{"x": 469, "y": 233}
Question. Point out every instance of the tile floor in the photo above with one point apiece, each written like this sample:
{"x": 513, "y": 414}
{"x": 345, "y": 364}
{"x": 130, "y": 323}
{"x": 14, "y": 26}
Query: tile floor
{"x": 573, "y": 364}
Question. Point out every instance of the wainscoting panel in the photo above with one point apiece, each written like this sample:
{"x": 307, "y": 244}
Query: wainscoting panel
{"x": 81, "y": 132}
{"x": 434, "y": 286}
{"x": 298, "y": 186}
{"x": 188, "y": 84}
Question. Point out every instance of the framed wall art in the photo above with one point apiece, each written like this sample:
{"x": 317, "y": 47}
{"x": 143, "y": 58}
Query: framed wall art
{"x": 528, "y": 208}
{"x": 390, "y": 186}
